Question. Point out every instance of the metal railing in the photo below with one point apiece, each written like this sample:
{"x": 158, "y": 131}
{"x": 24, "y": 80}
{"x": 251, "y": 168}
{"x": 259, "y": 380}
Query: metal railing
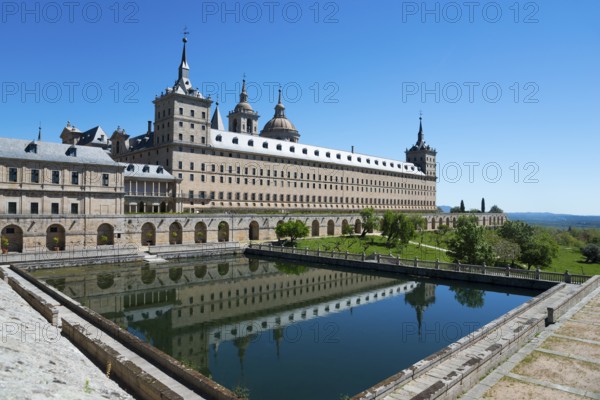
{"x": 536, "y": 274}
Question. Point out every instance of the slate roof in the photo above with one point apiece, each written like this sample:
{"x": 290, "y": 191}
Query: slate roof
{"x": 19, "y": 149}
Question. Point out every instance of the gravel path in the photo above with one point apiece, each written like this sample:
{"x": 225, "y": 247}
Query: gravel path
{"x": 37, "y": 363}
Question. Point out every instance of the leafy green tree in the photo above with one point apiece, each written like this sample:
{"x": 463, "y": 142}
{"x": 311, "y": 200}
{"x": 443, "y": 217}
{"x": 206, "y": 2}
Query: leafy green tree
{"x": 369, "y": 220}
{"x": 462, "y": 206}
{"x": 540, "y": 250}
{"x": 455, "y": 210}
{"x": 518, "y": 232}
{"x": 507, "y": 252}
{"x": 398, "y": 228}
{"x": 496, "y": 210}
{"x": 292, "y": 229}
{"x": 468, "y": 244}
{"x": 591, "y": 252}
{"x": 347, "y": 230}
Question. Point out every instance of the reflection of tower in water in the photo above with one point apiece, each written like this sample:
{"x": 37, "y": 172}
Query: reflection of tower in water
{"x": 420, "y": 298}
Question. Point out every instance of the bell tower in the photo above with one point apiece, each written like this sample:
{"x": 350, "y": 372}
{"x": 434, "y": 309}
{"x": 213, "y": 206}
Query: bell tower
{"x": 243, "y": 119}
{"x": 421, "y": 154}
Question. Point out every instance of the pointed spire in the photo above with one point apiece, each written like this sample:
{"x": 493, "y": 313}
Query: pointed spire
{"x": 40, "y": 133}
{"x": 184, "y": 68}
{"x": 216, "y": 121}
{"x": 244, "y": 94}
{"x": 279, "y": 108}
{"x": 421, "y": 136}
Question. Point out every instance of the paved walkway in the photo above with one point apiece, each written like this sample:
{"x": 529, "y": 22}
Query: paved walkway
{"x": 36, "y": 362}
{"x": 563, "y": 362}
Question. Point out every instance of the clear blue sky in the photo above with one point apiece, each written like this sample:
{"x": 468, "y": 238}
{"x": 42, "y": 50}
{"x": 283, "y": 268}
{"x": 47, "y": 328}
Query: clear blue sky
{"x": 353, "y": 72}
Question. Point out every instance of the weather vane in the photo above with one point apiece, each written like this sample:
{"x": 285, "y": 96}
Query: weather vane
{"x": 185, "y": 31}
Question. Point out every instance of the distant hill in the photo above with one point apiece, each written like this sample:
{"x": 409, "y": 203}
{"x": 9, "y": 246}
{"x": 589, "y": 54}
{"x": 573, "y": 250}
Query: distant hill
{"x": 557, "y": 220}
{"x": 445, "y": 209}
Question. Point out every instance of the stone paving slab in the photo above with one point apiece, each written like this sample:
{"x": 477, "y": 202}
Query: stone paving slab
{"x": 563, "y": 362}
{"x": 36, "y": 362}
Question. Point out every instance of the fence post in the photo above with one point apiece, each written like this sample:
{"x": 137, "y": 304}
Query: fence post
{"x": 292, "y": 250}
{"x": 437, "y": 263}
{"x": 458, "y": 266}
{"x": 397, "y": 259}
{"x": 537, "y": 273}
{"x": 306, "y": 251}
{"x": 318, "y": 251}
{"x": 416, "y": 262}
{"x": 346, "y": 254}
{"x": 507, "y": 270}
{"x": 567, "y": 277}
{"x": 378, "y": 257}
{"x": 363, "y": 256}
{"x": 331, "y": 253}
{"x": 483, "y": 268}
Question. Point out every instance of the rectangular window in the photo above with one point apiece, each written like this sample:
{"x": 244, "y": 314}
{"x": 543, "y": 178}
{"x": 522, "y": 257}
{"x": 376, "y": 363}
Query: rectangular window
{"x": 191, "y": 194}
{"x": 54, "y": 208}
{"x": 56, "y": 177}
{"x": 180, "y": 164}
{"x": 35, "y": 208}
{"x": 192, "y": 113}
{"x": 191, "y": 166}
{"x": 180, "y": 111}
{"x": 74, "y": 208}
{"x": 12, "y": 207}
{"x": 104, "y": 179}
{"x": 192, "y": 177}
{"x": 35, "y": 176}
{"x": 75, "y": 178}
{"x": 212, "y": 195}
{"x": 12, "y": 174}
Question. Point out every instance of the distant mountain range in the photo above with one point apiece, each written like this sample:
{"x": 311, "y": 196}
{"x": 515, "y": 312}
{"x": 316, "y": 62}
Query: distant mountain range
{"x": 549, "y": 219}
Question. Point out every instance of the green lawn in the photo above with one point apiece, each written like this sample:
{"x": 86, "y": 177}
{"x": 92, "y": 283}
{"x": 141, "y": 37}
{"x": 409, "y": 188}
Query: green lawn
{"x": 571, "y": 259}
{"x": 371, "y": 244}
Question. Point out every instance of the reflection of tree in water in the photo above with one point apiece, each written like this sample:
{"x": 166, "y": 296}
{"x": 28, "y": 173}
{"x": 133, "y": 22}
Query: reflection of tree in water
{"x": 290, "y": 269}
{"x": 469, "y": 297}
{"x": 277, "y": 336}
{"x": 420, "y": 298}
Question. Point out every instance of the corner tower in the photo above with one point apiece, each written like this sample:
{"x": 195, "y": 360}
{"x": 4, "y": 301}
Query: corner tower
{"x": 421, "y": 154}
{"x": 181, "y": 113}
{"x": 243, "y": 119}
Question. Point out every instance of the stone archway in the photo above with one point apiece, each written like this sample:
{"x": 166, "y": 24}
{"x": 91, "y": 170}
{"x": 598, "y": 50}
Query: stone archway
{"x": 223, "y": 234}
{"x": 148, "y": 234}
{"x": 12, "y": 238}
{"x": 254, "y": 231}
{"x": 200, "y": 232}
{"x": 345, "y": 230}
{"x": 55, "y": 237}
{"x": 358, "y": 226}
{"x": 330, "y": 228}
{"x": 105, "y": 235}
{"x": 315, "y": 228}
{"x": 433, "y": 223}
{"x": 175, "y": 233}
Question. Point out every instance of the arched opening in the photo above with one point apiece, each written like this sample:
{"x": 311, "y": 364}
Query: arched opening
{"x": 454, "y": 222}
{"x": 175, "y": 273}
{"x": 358, "y": 226}
{"x": 432, "y": 223}
{"x": 448, "y": 222}
{"x": 483, "y": 221}
{"x": 148, "y": 275}
{"x": 105, "y": 235}
{"x": 148, "y": 234}
{"x": 345, "y": 229}
{"x": 12, "y": 238}
{"x": 223, "y": 234}
{"x": 330, "y": 228}
{"x": 200, "y": 232}
{"x": 235, "y": 125}
{"x": 175, "y": 233}
{"x": 278, "y": 223}
{"x": 105, "y": 281}
{"x": 441, "y": 222}
{"x": 55, "y": 237}
{"x": 315, "y": 228}
{"x": 163, "y": 207}
{"x": 254, "y": 231}
{"x": 223, "y": 269}
{"x": 200, "y": 271}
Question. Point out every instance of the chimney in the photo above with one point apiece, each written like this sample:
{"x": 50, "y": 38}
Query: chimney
{"x": 352, "y": 149}
{"x": 149, "y": 126}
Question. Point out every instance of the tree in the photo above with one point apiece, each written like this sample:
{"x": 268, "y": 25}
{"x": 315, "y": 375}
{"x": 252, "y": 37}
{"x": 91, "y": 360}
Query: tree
{"x": 507, "y": 251}
{"x": 591, "y": 252}
{"x": 482, "y": 205}
{"x": 462, "y": 206}
{"x": 347, "y": 230}
{"x": 369, "y": 220}
{"x": 398, "y": 228}
{"x": 540, "y": 250}
{"x": 518, "y": 232}
{"x": 455, "y": 210}
{"x": 496, "y": 210}
{"x": 469, "y": 297}
{"x": 292, "y": 229}
{"x": 468, "y": 244}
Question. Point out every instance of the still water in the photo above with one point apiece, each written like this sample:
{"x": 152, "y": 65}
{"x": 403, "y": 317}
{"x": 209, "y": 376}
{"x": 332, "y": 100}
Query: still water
{"x": 282, "y": 330}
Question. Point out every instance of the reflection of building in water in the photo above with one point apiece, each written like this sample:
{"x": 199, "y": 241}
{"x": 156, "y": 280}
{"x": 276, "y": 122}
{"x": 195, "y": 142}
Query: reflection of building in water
{"x": 186, "y": 308}
{"x": 420, "y": 298}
